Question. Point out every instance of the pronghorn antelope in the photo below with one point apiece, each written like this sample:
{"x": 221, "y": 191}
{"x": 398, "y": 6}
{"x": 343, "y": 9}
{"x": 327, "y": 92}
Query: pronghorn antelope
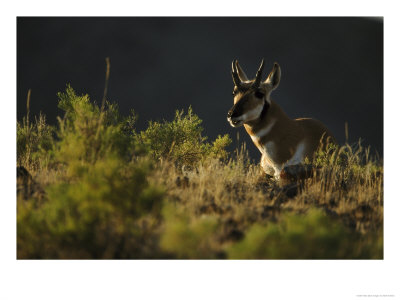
{"x": 281, "y": 140}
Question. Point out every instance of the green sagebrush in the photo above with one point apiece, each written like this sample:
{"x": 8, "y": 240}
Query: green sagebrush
{"x": 86, "y": 134}
{"x": 310, "y": 236}
{"x": 185, "y": 237}
{"x": 93, "y": 217}
{"x": 94, "y": 210}
{"x": 181, "y": 140}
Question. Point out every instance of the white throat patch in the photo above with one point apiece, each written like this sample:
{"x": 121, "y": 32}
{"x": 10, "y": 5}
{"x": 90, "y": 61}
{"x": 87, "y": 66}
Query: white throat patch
{"x": 252, "y": 114}
{"x": 264, "y": 131}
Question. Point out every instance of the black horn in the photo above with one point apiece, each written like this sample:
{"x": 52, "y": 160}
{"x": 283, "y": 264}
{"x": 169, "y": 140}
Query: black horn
{"x": 242, "y": 74}
{"x": 235, "y": 75}
{"x": 257, "y": 81}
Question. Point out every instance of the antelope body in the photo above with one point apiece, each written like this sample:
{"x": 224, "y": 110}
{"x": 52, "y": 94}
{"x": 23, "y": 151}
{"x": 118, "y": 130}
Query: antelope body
{"x": 281, "y": 140}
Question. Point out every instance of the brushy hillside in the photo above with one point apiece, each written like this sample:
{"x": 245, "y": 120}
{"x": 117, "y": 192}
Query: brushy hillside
{"x": 95, "y": 187}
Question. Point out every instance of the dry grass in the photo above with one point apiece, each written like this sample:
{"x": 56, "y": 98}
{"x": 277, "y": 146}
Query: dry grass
{"x": 122, "y": 194}
{"x": 238, "y": 196}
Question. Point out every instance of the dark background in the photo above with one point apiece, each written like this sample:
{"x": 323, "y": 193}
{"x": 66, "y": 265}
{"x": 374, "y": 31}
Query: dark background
{"x": 332, "y": 68}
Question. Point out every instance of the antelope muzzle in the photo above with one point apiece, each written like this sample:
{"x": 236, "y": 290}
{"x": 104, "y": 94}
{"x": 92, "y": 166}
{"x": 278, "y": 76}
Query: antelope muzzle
{"x": 234, "y": 117}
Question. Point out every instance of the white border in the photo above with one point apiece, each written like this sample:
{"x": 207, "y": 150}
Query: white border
{"x": 197, "y": 279}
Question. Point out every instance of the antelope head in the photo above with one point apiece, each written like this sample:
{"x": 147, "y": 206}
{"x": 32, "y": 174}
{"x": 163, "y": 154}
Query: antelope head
{"x": 251, "y": 98}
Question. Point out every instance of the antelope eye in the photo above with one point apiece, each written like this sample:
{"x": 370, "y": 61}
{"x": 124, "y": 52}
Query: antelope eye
{"x": 259, "y": 94}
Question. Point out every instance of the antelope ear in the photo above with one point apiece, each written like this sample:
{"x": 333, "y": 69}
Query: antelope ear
{"x": 242, "y": 74}
{"x": 274, "y": 77}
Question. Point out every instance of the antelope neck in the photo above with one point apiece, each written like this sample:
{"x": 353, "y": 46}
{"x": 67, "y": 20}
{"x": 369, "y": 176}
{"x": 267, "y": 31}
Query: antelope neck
{"x": 262, "y": 116}
{"x": 264, "y": 110}
{"x": 272, "y": 113}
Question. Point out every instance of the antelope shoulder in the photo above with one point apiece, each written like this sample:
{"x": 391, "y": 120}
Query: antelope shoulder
{"x": 316, "y": 135}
